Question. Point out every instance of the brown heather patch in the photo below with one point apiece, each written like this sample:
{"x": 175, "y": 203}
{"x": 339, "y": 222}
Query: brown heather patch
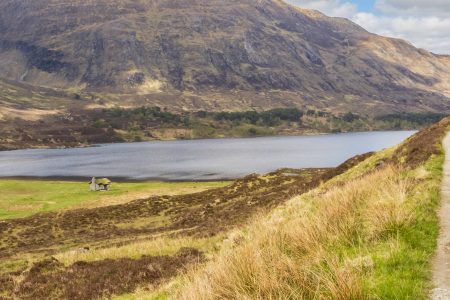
{"x": 421, "y": 146}
{"x": 49, "y": 279}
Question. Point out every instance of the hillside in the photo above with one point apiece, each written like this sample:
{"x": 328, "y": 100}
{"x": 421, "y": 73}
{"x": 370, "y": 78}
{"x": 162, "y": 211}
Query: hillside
{"x": 366, "y": 229}
{"x": 369, "y": 233}
{"x": 216, "y": 55}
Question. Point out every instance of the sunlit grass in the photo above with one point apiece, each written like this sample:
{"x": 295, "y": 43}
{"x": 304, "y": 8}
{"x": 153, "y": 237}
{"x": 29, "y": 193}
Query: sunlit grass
{"x": 155, "y": 247}
{"x": 21, "y": 198}
{"x": 371, "y": 237}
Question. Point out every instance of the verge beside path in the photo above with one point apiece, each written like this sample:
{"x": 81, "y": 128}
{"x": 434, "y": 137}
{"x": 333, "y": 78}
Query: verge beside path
{"x": 441, "y": 263}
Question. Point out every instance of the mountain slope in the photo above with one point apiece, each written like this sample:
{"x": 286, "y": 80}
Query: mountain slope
{"x": 261, "y": 53}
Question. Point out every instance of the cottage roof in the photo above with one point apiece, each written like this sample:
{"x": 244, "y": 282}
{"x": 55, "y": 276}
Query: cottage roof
{"x": 103, "y": 181}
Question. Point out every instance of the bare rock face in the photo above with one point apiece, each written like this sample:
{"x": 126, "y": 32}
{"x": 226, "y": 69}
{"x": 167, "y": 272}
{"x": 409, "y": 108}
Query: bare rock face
{"x": 119, "y": 46}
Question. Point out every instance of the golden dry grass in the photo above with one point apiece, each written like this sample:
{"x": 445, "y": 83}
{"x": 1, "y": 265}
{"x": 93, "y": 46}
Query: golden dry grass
{"x": 155, "y": 247}
{"x": 295, "y": 253}
{"x": 26, "y": 114}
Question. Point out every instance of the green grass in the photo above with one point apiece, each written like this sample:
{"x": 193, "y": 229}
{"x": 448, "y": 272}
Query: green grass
{"x": 402, "y": 262}
{"x": 401, "y": 259}
{"x": 143, "y": 295}
{"x": 22, "y": 198}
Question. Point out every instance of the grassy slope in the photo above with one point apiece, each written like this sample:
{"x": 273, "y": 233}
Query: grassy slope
{"x": 22, "y": 198}
{"x": 367, "y": 234}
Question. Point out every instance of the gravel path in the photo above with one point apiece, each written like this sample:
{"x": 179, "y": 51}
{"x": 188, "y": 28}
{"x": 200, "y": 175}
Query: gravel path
{"x": 441, "y": 264}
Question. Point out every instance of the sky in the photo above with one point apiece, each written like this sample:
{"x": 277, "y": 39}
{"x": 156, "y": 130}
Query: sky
{"x": 424, "y": 23}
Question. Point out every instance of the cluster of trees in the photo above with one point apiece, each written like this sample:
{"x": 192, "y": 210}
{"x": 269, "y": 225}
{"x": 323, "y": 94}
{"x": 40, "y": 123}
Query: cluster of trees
{"x": 149, "y": 114}
{"x": 419, "y": 119}
{"x": 354, "y": 122}
{"x": 271, "y": 117}
{"x": 317, "y": 113}
{"x": 152, "y": 117}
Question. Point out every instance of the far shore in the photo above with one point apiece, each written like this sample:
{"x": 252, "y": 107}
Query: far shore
{"x": 80, "y": 146}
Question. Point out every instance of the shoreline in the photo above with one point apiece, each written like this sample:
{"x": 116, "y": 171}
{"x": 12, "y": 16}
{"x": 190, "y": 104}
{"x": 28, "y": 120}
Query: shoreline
{"x": 149, "y": 179}
{"x": 93, "y": 145}
{"x": 113, "y": 179}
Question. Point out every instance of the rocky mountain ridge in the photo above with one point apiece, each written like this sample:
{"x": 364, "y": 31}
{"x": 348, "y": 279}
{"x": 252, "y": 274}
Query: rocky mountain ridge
{"x": 216, "y": 55}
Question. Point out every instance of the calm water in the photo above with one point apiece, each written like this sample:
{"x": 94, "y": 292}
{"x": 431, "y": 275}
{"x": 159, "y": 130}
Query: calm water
{"x": 197, "y": 159}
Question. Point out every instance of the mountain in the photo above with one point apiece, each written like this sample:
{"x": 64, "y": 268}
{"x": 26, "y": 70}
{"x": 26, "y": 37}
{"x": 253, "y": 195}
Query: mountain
{"x": 216, "y": 55}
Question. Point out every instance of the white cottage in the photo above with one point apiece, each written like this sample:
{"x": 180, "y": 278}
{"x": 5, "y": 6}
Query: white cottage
{"x": 101, "y": 184}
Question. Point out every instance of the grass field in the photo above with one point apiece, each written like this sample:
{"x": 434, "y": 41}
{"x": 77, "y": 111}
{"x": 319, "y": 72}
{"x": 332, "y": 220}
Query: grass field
{"x": 22, "y": 198}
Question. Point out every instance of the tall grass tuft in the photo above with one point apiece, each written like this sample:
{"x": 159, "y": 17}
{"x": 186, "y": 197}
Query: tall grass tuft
{"x": 298, "y": 252}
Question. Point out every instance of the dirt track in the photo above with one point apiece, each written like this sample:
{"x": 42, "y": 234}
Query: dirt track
{"x": 441, "y": 264}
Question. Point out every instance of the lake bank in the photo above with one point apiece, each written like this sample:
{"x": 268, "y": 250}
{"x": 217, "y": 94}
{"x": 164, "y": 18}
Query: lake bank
{"x": 299, "y": 133}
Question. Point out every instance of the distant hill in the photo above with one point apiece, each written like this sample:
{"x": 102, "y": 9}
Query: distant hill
{"x": 216, "y": 55}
